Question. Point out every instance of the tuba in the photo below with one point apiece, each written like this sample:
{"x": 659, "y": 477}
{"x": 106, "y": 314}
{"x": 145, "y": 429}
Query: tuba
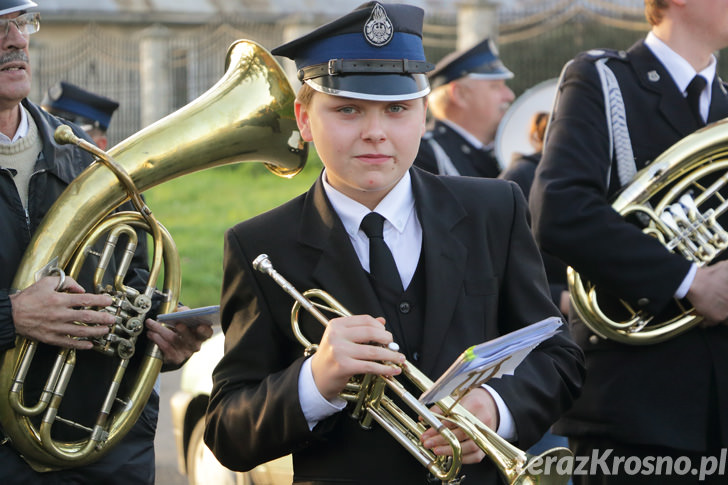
{"x": 370, "y": 404}
{"x": 679, "y": 199}
{"x": 246, "y": 116}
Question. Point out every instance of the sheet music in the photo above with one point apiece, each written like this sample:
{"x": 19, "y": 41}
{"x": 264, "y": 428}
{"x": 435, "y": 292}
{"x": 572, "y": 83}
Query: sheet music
{"x": 494, "y": 358}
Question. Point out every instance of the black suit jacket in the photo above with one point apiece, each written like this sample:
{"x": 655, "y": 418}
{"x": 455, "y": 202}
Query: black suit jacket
{"x": 657, "y": 394}
{"x": 521, "y": 170}
{"x": 467, "y": 159}
{"x": 484, "y": 278}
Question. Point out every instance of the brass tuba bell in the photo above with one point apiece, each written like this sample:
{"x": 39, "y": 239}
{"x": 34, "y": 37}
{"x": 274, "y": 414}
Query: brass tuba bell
{"x": 246, "y": 116}
{"x": 679, "y": 199}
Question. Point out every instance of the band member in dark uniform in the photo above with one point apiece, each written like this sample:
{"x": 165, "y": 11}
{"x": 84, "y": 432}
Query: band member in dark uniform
{"x": 35, "y": 171}
{"x": 462, "y": 262}
{"x": 670, "y": 398}
{"x": 469, "y": 98}
{"x": 90, "y": 111}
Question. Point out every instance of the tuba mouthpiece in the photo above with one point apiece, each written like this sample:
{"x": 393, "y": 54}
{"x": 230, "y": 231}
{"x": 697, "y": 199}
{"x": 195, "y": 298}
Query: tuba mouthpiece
{"x": 64, "y": 135}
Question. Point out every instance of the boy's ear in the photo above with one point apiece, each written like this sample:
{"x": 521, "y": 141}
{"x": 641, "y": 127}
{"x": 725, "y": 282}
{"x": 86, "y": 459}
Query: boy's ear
{"x": 302, "y": 120}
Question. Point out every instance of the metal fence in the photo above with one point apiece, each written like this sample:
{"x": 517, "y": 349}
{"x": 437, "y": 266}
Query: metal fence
{"x": 536, "y": 38}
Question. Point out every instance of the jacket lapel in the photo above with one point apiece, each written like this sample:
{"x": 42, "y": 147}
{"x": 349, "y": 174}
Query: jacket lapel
{"x": 445, "y": 258}
{"x": 718, "y": 101}
{"x": 654, "y": 77}
{"x": 335, "y": 269}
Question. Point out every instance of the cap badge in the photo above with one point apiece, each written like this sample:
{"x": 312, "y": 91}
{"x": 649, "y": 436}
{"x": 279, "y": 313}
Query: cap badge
{"x": 55, "y": 92}
{"x": 378, "y": 30}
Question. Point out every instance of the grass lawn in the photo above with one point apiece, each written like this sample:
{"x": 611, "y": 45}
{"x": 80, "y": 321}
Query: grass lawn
{"x": 197, "y": 209}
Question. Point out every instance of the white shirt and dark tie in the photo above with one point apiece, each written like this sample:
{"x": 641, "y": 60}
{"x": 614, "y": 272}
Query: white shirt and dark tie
{"x": 683, "y": 74}
{"x": 402, "y": 233}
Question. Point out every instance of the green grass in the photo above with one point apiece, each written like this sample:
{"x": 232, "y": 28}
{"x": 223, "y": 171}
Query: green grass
{"x": 197, "y": 209}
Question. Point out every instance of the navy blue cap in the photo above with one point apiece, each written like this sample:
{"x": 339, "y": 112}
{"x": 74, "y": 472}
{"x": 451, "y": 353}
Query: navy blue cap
{"x": 82, "y": 107}
{"x": 480, "y": 61}
{"x": 10, "y": 6}
{"x": 374, "y": 52}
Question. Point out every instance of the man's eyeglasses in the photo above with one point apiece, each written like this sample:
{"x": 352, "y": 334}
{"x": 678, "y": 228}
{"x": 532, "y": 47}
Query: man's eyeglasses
{"x": 28, "y": 23}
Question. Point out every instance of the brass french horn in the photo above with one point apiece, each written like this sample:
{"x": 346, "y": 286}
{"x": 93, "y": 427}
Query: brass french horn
{"x": 370, "y": 403}
{"x": 246, "y": 116}
{"x": 678, "y": 199}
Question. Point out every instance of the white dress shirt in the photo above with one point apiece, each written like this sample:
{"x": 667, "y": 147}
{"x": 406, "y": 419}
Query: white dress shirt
{"x": 22, "y": 130}
{"x": 403, "y": 234}
{"x": 682, "y": 73}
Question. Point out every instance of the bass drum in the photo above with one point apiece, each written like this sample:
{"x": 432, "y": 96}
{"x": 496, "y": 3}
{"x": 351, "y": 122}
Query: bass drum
{"x": 512, "y": 136}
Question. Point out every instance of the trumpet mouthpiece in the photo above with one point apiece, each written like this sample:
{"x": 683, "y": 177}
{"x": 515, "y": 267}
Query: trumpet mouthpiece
{"x": 262, "y": 263}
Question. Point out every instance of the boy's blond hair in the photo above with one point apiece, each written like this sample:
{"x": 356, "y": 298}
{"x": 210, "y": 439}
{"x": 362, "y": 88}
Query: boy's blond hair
{"x": 305, "y": 94}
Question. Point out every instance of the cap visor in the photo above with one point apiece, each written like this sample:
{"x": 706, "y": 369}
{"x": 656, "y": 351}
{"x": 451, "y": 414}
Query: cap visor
{"x": 373, "y": 87}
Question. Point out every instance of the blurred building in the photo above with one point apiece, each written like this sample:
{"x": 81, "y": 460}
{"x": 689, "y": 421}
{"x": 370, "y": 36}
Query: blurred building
{"x": 154, "y": 56}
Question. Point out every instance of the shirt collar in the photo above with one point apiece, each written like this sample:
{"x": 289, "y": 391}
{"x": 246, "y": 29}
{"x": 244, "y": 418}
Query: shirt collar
{"x": 22, "y": 128}
{"x": 464, "y": 133}
{"x": 396, "y": 206}
{"x": 680, "y": 70}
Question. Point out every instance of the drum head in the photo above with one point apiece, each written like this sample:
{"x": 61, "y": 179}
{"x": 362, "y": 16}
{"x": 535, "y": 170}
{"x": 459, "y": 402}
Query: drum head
{"x": 512, "y": 134}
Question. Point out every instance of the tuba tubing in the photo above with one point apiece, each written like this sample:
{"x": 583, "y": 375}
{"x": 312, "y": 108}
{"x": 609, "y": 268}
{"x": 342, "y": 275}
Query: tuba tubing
{"x": 246, "y": 116}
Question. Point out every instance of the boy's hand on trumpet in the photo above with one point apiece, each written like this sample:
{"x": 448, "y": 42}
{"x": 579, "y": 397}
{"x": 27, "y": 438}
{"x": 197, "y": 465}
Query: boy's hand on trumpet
{"x": 351, "y": 346}
{"x": 481, "y": 404}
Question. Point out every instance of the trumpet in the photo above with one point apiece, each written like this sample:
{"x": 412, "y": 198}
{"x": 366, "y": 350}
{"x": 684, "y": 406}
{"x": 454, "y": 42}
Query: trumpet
{"x": 366, "y": 395}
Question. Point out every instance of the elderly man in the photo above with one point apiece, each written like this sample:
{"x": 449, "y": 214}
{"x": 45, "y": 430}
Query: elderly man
{"x": 469, "y": 98}
{"x": 34, "y": 171}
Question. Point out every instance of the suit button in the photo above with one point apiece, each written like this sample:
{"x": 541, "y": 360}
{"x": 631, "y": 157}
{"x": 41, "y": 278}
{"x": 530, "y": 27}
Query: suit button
{"x": 643, "y": 301}
{"x": 416, "y": 356}
{"x": 404, "y": 307}
{"x": 593, "y": 339}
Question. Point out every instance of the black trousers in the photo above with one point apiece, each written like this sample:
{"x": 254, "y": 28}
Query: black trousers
{"x": 130, "y": 462}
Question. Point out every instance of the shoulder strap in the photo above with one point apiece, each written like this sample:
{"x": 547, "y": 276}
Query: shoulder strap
{"x": 444, "y": 164}
{"x": 620, "y": 144}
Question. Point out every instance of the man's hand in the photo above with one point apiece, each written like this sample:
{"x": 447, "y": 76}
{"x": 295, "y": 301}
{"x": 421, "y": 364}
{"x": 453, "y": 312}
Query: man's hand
{"x": 481, "y": 404}
{"x": 43, "y": 314}
{"x": 351, "y": 346}
{"x": 177, "y": 343}
{"x": 709, "y": 293}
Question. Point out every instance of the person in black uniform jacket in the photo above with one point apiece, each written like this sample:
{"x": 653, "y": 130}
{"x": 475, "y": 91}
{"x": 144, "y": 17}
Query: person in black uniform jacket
{"x": 35, "y": 171}
{"x": 521, "y": 170}
{"x": 468, "y": 100}
{"x": 468, "y": 270}
{"x": 669, "y": 398}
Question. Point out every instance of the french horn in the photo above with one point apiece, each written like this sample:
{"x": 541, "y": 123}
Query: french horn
{"x": 246, "y": 116}
{"x": 679, "y": 199}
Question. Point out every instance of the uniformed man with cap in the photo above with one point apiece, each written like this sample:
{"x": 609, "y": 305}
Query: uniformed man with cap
{"x": 88, "y": 110}
{"x": 469, "y": 98}
{"x": 435, "y": 264}
{"x": 34, "y": 171}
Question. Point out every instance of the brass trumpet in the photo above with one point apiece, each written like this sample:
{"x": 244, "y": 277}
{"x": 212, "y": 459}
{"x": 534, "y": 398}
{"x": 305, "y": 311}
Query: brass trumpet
{"x": 369, "y": 402}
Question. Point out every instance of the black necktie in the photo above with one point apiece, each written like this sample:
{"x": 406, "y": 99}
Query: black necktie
{"x": 381, "y": 263}
{"x": 694, "y": 89}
